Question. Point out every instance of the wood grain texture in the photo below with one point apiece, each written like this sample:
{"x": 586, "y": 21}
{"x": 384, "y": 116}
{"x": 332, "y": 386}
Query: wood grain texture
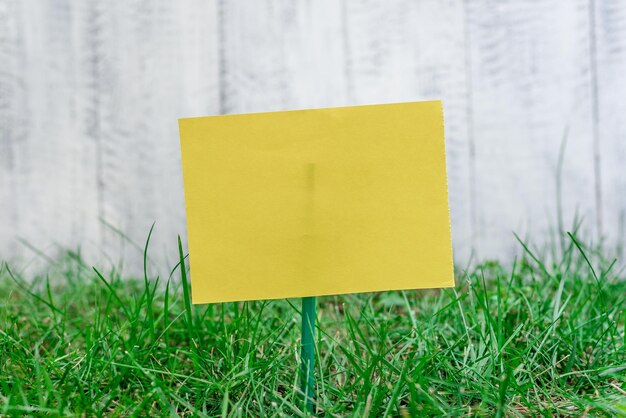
{"x": 530, "y": 79}
{"x": 12, "y": 123}
{"x": 90, "y": 93}
{"x": 611, "y": 58}
{"x": 91, "y": 97}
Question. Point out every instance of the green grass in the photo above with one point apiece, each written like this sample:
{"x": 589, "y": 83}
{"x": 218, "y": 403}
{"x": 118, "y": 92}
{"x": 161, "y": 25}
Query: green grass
{"x": 532, "y": 338}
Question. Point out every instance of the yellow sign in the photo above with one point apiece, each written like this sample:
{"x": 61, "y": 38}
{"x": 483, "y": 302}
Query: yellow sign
{"x": 316, "y": 202}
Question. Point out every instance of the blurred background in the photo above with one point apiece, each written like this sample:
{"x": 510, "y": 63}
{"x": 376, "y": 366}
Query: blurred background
{"x": 90, "y": 92}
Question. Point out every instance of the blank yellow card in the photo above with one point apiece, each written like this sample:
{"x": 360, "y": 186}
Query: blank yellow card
{"x": 316, "y": 202}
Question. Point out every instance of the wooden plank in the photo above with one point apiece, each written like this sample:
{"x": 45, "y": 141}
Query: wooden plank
{"x": 12, "y": 121}
{"x": 141, "y": 52}
{"x": 610, "y": 20}
{"x": 294, "y": 55}
{"x": 93, "y": 140}
{"x": 51, "y": 193}
{"x": 280, "y": 55}
{"x": 531, "y": 89}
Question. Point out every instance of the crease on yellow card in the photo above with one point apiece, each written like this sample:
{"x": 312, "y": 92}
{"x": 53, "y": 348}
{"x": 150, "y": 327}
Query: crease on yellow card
{"x": 316, "y": 202}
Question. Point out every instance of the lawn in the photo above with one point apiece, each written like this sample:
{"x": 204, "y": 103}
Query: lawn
{"x": 535, "y": 337}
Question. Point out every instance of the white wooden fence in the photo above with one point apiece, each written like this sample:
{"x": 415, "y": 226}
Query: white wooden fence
{"x": 90, "y": 93}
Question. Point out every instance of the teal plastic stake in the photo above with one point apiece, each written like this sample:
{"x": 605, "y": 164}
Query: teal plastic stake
{"x": 307, "y": 354}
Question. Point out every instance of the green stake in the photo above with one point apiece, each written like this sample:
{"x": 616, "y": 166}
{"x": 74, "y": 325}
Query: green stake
{"x": 307, "y": 355}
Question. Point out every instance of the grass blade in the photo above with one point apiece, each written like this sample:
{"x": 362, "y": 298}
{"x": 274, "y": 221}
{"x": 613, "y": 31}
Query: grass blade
{"x": 186, "y": 293}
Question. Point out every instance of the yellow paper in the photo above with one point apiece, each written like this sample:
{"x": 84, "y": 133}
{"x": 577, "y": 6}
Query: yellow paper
{"x": 316, "y": 202}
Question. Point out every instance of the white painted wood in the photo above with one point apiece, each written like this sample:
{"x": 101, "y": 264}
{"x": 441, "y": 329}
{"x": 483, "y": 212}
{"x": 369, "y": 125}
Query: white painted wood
{"x": 530, "y": 80}
{"x": 90, "y": 93}
{"x": 611, "y": 56}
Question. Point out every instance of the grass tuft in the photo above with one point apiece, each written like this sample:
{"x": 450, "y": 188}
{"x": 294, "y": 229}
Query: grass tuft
{"x": 543, "y": 337}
